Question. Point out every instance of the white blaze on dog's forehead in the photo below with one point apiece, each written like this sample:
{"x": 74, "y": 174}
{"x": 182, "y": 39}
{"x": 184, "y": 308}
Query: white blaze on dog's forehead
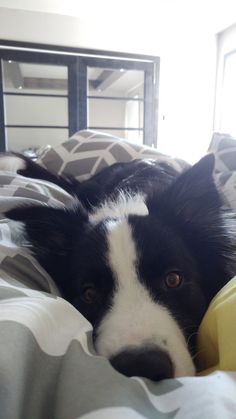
{"x": 11, "y": 163}
{"x": 122, "y": 251}
{"x": 123, "y": 206}
{"x": 134, "y": 318}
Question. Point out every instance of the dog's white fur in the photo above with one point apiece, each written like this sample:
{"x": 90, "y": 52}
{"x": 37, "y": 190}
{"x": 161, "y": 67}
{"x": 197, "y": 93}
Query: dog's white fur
{"x": 123, "y": 206}
{"x": 134, "y": 318}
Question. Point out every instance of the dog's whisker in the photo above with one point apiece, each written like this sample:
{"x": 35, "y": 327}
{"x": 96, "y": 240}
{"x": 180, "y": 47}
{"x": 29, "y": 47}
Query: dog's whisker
{"x": 197, "y": 354}
{"x": 194, "y": 334}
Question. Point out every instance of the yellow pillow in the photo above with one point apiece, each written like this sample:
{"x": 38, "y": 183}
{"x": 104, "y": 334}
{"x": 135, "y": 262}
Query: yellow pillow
{"x": 217, "y": 332}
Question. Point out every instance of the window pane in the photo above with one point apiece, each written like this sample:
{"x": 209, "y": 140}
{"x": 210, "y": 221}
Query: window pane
{"x": 35, "y": 94}
{"x": 135, "y": 137}
{"x": 115, "y": 113}
{"x": 115, "y": 102}
{"x": 21, "y": 139}
{"x": 34, "y": 78}
{"x": 33, "y": 110}
{"x": 115, "y": 83}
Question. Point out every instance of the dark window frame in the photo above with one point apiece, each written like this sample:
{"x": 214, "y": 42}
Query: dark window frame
{"x": 77, "y": 61}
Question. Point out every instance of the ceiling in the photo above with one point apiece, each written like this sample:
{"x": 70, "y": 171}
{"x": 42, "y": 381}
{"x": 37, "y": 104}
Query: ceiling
{"x": 215, "y": 15}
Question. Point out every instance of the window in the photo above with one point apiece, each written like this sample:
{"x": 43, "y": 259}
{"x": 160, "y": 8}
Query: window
{"x": 224, "y": 118}
{"x": 36, "y": 104}
{"x": 115, "y": 101}
{"x": 48, "y": 93}
{"x": 228, "y": 99}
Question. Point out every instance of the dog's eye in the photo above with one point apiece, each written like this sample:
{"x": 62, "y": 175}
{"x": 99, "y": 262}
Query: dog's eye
{"x": 89, "y": 294}
{"x": 173, "y": 279}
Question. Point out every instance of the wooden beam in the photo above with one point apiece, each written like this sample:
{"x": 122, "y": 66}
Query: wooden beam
{"x": 13, "y": 71}
{"x": 45, "y": 83}
{"x": 106, "y": 79}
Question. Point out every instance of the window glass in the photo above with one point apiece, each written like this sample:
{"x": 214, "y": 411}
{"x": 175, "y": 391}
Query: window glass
{"x": 23, "y": 139}
{"x": 115, "y": 101}
{"x": 36, "y": 104}
{"x": 115, "y": 82}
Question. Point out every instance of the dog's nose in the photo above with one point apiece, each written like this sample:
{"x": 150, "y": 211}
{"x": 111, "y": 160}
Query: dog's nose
{"x": 154, "y": 364}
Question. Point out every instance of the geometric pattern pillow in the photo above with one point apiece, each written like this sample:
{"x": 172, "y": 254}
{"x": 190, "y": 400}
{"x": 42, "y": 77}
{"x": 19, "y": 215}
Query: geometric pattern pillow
{"x": 87, "y": 152}
{"x": 224, "y": 148}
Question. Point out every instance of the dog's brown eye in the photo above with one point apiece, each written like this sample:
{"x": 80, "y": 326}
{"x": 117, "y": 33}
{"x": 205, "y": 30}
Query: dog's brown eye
{"x": 89, "y": 294}
{"x": 173, "y": 280}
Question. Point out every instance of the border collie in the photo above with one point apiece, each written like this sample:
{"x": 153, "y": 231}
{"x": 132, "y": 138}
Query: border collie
{"x": 140, "y": 253}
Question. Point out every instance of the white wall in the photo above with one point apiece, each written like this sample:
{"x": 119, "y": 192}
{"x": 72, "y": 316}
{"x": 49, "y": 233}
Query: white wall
{"x": 226, "y": 41}
{"x": 187, "y": 54}
{"x": 187, "y": 95}
{"x": 109, "y": 34}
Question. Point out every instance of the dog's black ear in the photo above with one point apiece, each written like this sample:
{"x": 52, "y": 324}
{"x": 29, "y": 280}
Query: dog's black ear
{"x": 192, "y": 197}
{"x": 193, "y": 207}
{"x": 50, "y": 229}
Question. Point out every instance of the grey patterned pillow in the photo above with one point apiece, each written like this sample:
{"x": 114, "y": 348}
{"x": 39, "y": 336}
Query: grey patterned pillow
{"x": 224, "y": 148}
{"x": 87, "y": 152}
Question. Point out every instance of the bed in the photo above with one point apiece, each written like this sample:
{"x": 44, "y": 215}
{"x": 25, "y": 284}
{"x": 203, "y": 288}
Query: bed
{"x": 48, "y": 368}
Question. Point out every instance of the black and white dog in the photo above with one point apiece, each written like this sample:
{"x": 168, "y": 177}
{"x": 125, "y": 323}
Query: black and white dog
{"x": 140, "y": 253}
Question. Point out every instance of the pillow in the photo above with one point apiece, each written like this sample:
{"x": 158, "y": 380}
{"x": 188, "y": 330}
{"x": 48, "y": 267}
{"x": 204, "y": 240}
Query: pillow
{"x": 224, "y": 148}
{"x": 88, "y": 152}
{"x": 217, "y": 337}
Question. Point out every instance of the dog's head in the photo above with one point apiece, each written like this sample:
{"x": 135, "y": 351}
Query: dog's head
{"x": 143, "y": 275}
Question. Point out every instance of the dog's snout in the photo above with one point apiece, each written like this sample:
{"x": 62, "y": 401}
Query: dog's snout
{"x": 154, "y": 364}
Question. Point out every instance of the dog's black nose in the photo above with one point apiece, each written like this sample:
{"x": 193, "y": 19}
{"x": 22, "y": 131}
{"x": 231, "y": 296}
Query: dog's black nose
{"x": 153, "y": 363}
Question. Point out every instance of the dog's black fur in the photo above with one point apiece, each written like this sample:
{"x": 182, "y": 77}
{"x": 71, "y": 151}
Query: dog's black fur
{"x": 187, "y": 229}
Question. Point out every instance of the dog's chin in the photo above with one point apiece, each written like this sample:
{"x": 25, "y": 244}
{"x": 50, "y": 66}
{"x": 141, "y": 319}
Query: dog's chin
{"x": 187, "y": 369}
{"x": 181, "y": 358}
